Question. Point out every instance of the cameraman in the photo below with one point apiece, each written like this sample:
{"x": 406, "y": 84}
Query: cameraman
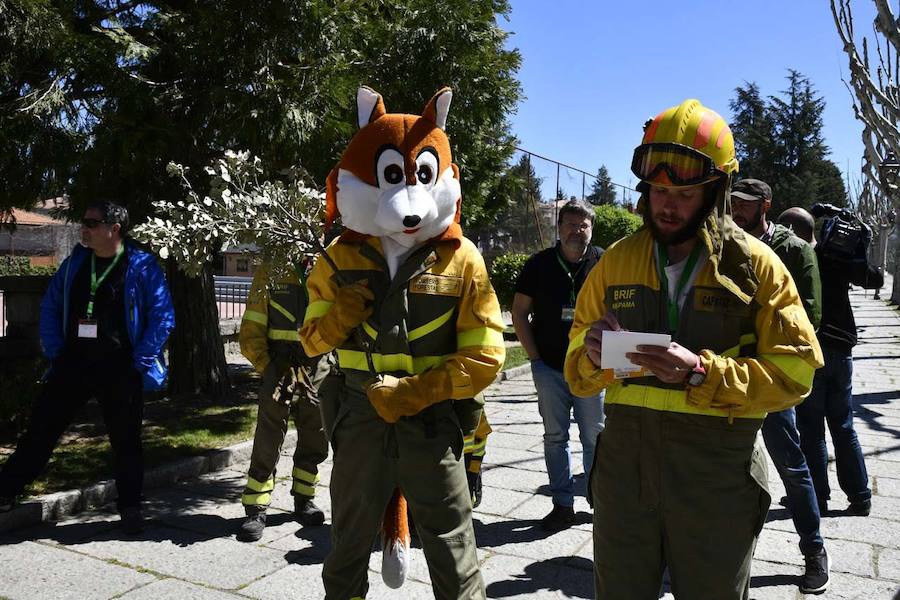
{"x": 842, "y": 262}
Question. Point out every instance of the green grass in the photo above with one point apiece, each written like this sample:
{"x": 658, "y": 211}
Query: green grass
{"x": 515, "y": 356}
{"x": 173, "y": 430}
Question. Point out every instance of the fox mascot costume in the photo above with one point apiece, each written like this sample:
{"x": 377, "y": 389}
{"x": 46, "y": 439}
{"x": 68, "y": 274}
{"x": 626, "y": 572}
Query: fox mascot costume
{"x": 418, "y": 292}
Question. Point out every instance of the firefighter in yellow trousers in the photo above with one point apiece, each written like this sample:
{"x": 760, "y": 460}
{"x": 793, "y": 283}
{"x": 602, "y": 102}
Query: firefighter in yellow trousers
{"x": 679, "y": 479}
{"x": 290, "y": 382}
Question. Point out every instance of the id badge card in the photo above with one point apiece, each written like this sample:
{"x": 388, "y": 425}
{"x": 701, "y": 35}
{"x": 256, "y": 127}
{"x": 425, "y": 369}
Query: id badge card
{"x": 568, "y": 313}
{"x": 87, "y": 328}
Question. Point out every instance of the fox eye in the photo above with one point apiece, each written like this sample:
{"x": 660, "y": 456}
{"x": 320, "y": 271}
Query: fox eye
{"x": 389, "y": 168}
{"x": 393, "y": 174}
{"x": 424, "y": 174}
{"x": 426, "y": 166}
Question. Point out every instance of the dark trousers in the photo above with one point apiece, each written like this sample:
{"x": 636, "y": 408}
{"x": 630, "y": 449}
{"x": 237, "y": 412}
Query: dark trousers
{"x": 831, "y": 401}
{"x": 116, "y": 385}
{"x": 783, "y": 443}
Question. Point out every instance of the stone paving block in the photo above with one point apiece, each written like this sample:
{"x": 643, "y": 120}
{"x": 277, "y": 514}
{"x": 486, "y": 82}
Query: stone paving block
{"x": 514, "y": 479}
{"x": 851, "y": 557}
{"x": 526, "y": 539}
{"x": 889, "y": 564}
{"x": 510, "y": 576}
{"x": 888, "y": 486}
{"x": 882, "y": 467}
{"x": 293, "y": 582}
{"x": 29, "y": 571}
{"x": 775, "y": 581}
{"x": 879, "y": 532}
{"x": 174, "y": 588}
{"x": 514, "y": 458}
{"x": 847, "y": 587}
{"x": 205, "y": 559}
{"x": 500, "y": 439}
{"x": 778, "y": 547}
{"x": 499, "y": 501}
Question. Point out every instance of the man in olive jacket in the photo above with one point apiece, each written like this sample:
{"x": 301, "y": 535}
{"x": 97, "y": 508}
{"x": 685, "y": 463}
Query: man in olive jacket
{"x": 751, "y": 200}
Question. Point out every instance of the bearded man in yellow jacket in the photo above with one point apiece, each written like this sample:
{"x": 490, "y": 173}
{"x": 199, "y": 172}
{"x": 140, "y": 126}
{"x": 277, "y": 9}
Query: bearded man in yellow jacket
{"x": 679, "y": 479}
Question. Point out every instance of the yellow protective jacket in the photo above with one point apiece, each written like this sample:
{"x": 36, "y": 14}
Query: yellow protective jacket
{"x": 438, "y": 312}
{"x": 269, "y": 327}
{"x": 760, "y": 353}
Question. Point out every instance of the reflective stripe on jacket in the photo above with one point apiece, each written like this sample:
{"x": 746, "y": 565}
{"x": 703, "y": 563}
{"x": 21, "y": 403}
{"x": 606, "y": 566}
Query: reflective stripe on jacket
{"x": 759, "y": 356}
{"x": 438, "y": 312}
{"x": 274, "y": 313}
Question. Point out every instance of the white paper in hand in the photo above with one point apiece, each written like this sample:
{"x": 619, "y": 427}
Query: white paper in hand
{"x": 617, "y": 343}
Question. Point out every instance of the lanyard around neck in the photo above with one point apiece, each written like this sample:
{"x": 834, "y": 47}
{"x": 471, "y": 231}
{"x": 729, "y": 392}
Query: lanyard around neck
{"x": 682, "y": 281}
{"x": 96, "y": 281}
{"x": 571, "y": 275}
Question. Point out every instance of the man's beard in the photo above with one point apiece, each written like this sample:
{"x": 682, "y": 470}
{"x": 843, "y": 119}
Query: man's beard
{"x": 686, "y": 232}
{"x": 576, "y": 244}
{"x": 751, "y": 226}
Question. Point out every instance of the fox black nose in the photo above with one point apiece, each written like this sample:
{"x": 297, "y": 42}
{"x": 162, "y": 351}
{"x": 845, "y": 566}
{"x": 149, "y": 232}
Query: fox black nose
{"x": 411, "y": 220}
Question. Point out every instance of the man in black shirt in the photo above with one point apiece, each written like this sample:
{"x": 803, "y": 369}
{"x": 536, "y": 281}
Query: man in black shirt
{"x": 546, "y": 291}
{"x": 831, "y": 398}
{"x": 104, "y": 320}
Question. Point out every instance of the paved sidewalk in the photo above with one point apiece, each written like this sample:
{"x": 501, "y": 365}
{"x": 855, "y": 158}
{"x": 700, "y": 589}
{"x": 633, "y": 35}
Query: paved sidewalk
{"x": 189, "y": 550}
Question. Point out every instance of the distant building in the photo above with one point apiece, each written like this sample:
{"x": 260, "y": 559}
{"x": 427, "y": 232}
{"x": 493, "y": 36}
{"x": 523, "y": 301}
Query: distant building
{"x": 39, "y": 235}
{"x": 240, "y": 261}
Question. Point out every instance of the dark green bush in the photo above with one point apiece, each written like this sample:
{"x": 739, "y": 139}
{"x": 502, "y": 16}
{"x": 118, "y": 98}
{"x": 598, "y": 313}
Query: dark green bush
{"x": 504, "y": 271}
{"x": 613, "y": 223}
{"x": 21, "y": 265}
{"x": 20, "y": 387}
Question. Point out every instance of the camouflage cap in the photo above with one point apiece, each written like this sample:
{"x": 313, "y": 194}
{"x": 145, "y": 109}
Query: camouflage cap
{"x": 753, "y": 190}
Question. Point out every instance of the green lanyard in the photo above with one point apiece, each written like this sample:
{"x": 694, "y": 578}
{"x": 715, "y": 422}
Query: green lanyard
{"x": 96, "y": 281}
{"x": 571, "y": 275}
{"x": 682, "y": 281}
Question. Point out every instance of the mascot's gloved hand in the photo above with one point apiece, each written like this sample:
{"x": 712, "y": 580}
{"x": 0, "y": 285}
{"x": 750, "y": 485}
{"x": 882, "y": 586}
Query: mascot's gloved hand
{"x": 407, "y": 396}
{"x": 351, "y": 307}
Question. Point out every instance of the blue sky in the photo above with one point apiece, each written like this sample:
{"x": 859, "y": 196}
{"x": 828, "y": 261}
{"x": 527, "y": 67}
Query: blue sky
{"x": 593, "y": 72}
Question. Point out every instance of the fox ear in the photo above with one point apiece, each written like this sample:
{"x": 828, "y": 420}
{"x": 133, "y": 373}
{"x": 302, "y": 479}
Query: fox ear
{"x": 369, "y": 106}
{"x": 437, "y": 108}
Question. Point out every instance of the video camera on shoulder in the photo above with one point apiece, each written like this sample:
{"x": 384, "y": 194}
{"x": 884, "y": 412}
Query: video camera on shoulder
{"x": 843, "y": 236}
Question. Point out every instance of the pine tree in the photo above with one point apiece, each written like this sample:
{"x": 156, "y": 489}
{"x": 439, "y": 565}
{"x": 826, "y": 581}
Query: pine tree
{"x": 602, "y": 189}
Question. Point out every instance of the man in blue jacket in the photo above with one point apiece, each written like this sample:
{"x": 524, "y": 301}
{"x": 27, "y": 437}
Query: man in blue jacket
{"x": 104, "y": 320}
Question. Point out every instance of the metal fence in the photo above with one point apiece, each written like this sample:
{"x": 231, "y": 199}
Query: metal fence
{"x": 231, "y": 295}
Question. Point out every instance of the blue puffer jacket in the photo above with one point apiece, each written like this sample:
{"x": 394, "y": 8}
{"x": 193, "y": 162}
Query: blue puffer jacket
{"x": 150, "y": 316}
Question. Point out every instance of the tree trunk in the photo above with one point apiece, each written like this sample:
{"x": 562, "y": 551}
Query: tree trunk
{"x": 895, "y": 290}
{"x": 197, "y": 355}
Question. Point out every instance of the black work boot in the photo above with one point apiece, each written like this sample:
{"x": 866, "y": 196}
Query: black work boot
{"x": 252, "y": 527}
{"x": 561, "y": 517}
{"x": 132, "y": 520}
{"x": 860, "y": 509}
{"x": 307, "y": 512}
{"x": 816, "y": 575}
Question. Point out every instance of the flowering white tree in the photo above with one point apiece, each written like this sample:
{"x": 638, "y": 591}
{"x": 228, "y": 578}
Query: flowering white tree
{"x": 280, "y": 218}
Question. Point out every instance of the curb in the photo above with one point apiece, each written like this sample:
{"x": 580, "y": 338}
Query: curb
{"x": 59, "y": 505}
{"x": 513, "y": 373}
{"x": 56, "y": 506}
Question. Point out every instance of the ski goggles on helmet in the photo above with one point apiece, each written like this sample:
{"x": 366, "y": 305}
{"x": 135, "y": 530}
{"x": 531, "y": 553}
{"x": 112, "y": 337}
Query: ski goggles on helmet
{"x": 681, "y": 164}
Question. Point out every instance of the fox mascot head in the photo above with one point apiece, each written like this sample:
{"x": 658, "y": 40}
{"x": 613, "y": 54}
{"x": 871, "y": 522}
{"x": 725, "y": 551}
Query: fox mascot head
{"x": 396, "y": 179}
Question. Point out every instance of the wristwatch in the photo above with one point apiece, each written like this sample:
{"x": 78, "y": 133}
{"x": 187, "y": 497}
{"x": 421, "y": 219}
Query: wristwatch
{"x": 697, "y": 375}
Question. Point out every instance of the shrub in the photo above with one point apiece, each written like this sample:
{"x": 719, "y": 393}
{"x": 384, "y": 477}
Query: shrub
{"x": 613, "y": 223}
{"x": 21, "y": 265}
{"x": 504, "y": 271}
{"x": 20, "y": 388}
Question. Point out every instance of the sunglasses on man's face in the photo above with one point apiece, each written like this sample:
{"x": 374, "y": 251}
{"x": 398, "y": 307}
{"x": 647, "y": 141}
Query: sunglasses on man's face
{"x": 92, "y": 223}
